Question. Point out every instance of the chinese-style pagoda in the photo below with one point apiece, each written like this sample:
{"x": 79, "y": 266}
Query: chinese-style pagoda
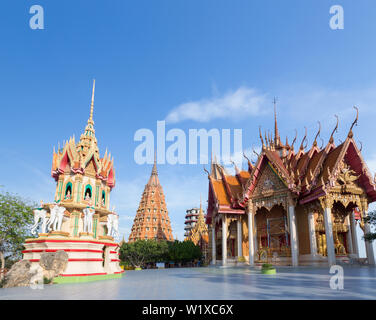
{"x": 199, "y": 234}
{"x": 152, "y": 221}
{"x": 292, "y": 206}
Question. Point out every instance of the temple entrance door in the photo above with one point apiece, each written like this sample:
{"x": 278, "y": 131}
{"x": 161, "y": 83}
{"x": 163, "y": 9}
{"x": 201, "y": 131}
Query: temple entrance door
{"x": 272, "y": 233}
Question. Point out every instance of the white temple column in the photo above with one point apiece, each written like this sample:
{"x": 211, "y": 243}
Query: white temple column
{"x": 240, "y": 240}
{"x": 214, "y": 248}
{"x": 354, "y": 234}
{"x": 250, "y": 236}
{"x": 367, "y": 229}
{"x": 329, "y": 236}
{"x": 369, "y": 246}
{"x": 224, "y": 240}
{"x": 293, "y": 236}
{"x": 349, "y": 238}
{"x": 312, "y": 233}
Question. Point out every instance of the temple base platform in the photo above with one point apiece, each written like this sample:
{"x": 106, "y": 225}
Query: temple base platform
{"x": 89, "y": 259}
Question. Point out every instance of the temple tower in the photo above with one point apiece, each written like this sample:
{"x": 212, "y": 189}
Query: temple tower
{"x": 79, "y": 221}
{"x": 152, "y": 221}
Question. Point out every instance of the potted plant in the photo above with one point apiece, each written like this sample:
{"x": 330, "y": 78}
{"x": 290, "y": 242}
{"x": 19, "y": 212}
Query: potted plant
{"x": 241, "y": 260}
{"x": 268, "y": 269}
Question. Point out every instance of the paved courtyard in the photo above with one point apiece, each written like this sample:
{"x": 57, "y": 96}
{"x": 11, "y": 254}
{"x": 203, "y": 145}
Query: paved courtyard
{"x": 212, "y": 283}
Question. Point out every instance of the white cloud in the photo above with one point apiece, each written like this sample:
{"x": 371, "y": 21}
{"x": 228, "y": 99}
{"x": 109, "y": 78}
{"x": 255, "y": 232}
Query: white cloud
{"x": 371, "y": 163}
{"x": 311, "y": 103}
{"x": 233, "y": 105}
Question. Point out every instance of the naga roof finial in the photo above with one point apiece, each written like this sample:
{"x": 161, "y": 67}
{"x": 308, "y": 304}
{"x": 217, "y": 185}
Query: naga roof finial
{"x": 317, "y": 135}
{"x": 350, "y": 135}
{"x": 262, "y": 140}
{"x": 331, "y": 140}
{"x": 305, "y": 138}
{"x": 293, "y": 141}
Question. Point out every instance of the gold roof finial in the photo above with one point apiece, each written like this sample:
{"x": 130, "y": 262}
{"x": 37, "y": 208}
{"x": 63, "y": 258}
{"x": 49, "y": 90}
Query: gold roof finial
{"x": 350, "y": 135}
{"x": 317, "y": 135}
{"x": 331, "y": 140}
{"x": 262, "y": 140}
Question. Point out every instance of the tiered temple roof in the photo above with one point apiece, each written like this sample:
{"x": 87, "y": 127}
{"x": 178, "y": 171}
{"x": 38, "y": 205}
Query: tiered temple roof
{"x": 307, "y": 173}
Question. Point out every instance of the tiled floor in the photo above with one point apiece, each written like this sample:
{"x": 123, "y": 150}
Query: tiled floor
{"x": 213, "y": 283}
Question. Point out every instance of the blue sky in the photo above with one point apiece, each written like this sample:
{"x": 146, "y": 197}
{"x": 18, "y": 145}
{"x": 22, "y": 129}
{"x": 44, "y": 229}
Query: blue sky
{"x": 151, "y": 57}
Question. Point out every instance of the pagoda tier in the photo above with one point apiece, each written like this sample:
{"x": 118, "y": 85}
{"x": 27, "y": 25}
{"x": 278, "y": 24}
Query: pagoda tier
{"x": 152, "y": 221}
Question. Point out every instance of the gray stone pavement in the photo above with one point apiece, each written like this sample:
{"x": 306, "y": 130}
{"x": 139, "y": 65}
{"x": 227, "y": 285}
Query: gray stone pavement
{"x": 212, "y": 283}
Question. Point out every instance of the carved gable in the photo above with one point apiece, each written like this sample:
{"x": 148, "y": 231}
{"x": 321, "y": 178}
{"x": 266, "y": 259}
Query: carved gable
{"x": 90, "y": 168}
{"x": 268, "y": 184}
{"x": 346, "y": 180}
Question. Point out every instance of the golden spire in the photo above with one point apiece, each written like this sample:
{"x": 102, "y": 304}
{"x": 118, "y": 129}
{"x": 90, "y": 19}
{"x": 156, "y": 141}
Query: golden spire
{"x": 276, "y": 133}
{"x": 92, "y": 103}
{"x": 89, "y": 130}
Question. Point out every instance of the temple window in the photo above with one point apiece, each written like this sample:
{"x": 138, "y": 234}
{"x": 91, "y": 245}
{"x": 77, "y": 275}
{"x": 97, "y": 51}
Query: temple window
{"x": 68, "y": 191}
{"x": 103, "y": 198}
{"x": 88, "y": 192}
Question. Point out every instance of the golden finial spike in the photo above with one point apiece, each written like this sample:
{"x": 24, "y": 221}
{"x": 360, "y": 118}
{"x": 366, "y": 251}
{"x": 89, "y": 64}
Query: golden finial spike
{"x": 92, "y": 103}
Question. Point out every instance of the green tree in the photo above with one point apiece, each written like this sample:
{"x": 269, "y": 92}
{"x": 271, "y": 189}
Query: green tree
{"x": 140, "y": 252}
{"x": 184, "y": 251}
{"x": 16, "y": 217}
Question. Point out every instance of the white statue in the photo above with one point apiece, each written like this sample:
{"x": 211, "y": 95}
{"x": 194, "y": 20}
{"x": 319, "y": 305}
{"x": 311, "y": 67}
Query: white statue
{"x": 113, "y": 224}
{"x": 109, "y": 223}
{"x": 39, "y": 213}
{"x": 88, "y": 218}
{"x": 56, "y": 217}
